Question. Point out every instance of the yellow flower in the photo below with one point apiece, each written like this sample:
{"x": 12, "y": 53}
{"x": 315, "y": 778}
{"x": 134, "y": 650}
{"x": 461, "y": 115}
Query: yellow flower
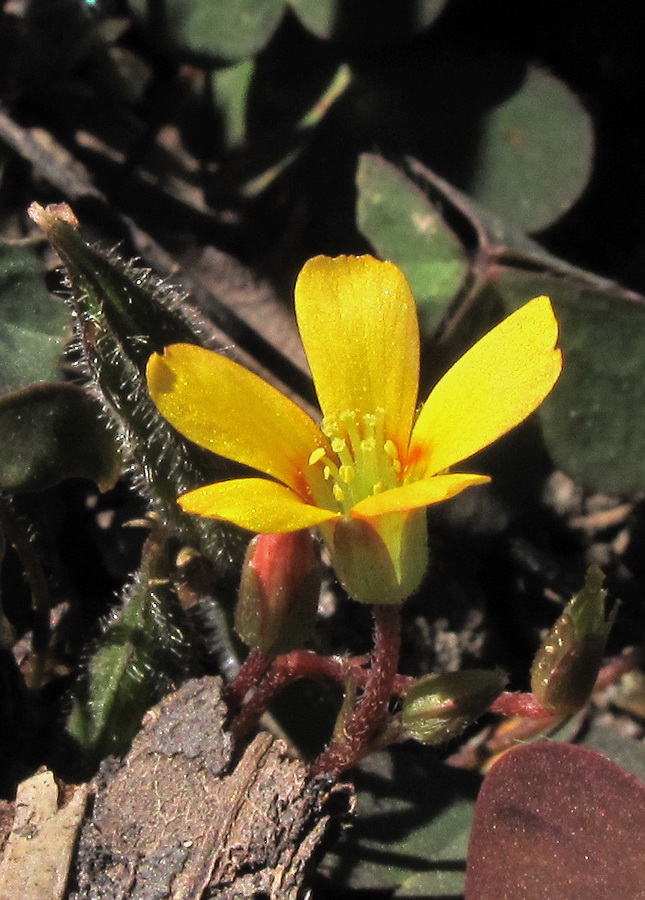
{"x": 365, "y": 474}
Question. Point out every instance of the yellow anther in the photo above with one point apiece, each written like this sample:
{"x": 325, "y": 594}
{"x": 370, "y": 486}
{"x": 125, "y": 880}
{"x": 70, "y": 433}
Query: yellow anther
{"x": 338, "y": 445}
{"x": 359, "y": 460}
{"x": 347, "y": 474}
{"x": 316, "y": 456}
{"x": 390, "y": 448}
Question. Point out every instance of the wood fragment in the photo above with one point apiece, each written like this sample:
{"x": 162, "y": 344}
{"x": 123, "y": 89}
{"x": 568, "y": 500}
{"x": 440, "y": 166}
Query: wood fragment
{"x": 180, "y": 819}
{"x": 36, "y": 859}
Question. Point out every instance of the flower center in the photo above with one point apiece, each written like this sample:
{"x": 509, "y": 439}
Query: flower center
{"x": 362, "y": 461}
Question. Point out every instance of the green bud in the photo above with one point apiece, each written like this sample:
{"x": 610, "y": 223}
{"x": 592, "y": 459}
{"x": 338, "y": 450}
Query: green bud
{"x": 439, "y": 707}
{"x": 279, "y": 591}
{"x": 565, "y": 668}
{"x": 123, "y": 314}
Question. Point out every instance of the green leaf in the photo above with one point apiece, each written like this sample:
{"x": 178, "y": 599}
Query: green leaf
{"x": 231, "y": 88}
{"x": 55, "y": 431}
{"x": 606, "y": 736}
{"x": 366, "y": 22}
{"x": 498, "y": 239}
{"x": 535, "y": 153}
{"x": 592, "y": 423}
{"x": 214, "y": 30}
{"x": 33, "y": 325}
{"x": 403, "y": 225}
{"x": 413, "y": 817}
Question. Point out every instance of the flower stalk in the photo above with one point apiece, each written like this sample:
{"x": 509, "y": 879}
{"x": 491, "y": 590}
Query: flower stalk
{"x": 371, "y": 712}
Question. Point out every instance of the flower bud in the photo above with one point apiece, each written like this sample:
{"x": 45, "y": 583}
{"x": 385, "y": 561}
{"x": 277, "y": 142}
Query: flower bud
{"x": 439, "y": 707}
{"x": 565, "y": 668}
{"x": 279, "y": 591}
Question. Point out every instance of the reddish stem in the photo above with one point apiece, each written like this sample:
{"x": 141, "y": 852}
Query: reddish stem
{"x": 274, "y": 681}
{"x": 291, "y": 667}
{"x": 528, "y": 706}
{"x": 251, "y": 671}
{"x": 371, "y": 711}
{"x": 286, "y": 669}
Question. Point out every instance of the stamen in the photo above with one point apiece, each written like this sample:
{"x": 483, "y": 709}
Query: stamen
{"x": 316, "y": 456}
{"x": 390, "y": 448}
{"x": 379, "y": 435}
{"x": 361, "y": 462}
{"x": 350, "y": 423}
{"x": 347, "y": 474}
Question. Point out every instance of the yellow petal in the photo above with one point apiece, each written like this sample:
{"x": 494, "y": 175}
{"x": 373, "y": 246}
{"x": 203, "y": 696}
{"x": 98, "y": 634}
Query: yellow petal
{"x": 256, "y": 504}
{"x": 495, "y": 385}
{"x": 223, "y": 407}
{"x": 416, "y": 495}
{"x": 359, "y": 326}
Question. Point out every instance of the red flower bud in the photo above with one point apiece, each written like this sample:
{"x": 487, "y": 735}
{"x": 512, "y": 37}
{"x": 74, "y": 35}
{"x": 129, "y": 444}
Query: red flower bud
{"x": 279, "y": 591}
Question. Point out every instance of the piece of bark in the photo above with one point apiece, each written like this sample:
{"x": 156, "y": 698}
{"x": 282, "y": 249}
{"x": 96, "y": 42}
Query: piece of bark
{"x": 179, "y": 820}
{"x": 36, "y": 858}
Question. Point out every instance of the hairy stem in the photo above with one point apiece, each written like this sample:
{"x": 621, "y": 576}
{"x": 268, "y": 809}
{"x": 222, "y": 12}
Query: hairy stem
{"x": 371, "y": 712}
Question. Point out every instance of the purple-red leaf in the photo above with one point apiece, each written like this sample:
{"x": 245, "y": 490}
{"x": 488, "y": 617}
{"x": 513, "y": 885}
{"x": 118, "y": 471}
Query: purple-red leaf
{"x": 554, "y": 820}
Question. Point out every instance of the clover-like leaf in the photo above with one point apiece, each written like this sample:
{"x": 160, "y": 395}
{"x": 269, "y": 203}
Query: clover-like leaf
{"x": 515, "y": 174}
{"x": 592, "y": 423}
{"x": 555, "y": 820}
{"x": 403, "y": 225}
{"x": 33, "y": 325}
{"x": 214, "y": 30}
{"x": 55, "y": 431}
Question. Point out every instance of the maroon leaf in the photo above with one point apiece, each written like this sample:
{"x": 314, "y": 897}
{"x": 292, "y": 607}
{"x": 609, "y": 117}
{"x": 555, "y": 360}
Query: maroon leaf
{"x": 555, "y": 820}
